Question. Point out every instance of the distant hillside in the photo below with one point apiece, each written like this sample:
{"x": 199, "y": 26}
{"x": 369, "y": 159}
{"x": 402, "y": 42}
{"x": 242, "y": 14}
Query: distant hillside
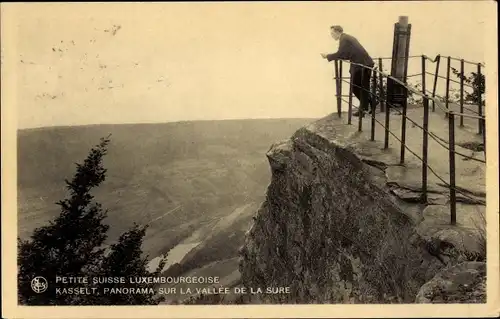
{"x": 184, "y": 178}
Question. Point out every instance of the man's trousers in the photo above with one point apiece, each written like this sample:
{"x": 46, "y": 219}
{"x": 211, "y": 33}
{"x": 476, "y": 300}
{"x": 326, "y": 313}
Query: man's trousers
{"x": 360, "y": 81}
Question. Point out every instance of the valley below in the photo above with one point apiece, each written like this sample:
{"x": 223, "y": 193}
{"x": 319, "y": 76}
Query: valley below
{"x": 196, "y": 184}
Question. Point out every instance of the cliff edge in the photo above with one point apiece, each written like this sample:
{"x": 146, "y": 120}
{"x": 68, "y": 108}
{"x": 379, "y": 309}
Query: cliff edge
{"x": 342, "y": 222}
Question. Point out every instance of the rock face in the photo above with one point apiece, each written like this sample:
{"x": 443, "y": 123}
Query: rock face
{"x": 462, "y": 283}
{"x": 333, "y": 231}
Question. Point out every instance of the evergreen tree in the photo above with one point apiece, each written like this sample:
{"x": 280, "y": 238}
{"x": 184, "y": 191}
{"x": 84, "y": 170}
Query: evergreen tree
{"x": 125, "y": 260}
{"x": 72, "y": 245}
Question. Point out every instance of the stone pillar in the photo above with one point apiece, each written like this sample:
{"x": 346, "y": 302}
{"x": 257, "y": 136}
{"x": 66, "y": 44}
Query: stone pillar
{"x": 401, "y": 57}
{"x": 399, "y": 67}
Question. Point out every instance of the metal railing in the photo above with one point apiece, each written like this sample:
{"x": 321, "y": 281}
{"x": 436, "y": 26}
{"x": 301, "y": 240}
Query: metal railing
{"x": 385, "y": 106}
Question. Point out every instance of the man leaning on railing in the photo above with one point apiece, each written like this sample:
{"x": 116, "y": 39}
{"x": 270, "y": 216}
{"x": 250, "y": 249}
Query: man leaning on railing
{"x": 350, "y": 49}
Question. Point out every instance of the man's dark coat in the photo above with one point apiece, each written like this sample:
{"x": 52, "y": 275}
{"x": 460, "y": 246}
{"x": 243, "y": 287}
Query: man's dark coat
{"x": 350, "y": 49}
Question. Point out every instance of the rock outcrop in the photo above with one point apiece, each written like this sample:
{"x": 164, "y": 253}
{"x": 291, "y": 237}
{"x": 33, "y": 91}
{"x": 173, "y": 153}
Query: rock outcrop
{"x": 462, "y": 283}
{"x": 333, "y": 229}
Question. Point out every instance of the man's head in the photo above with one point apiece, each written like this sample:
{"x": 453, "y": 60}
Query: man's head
{"x": 336, "y": 31}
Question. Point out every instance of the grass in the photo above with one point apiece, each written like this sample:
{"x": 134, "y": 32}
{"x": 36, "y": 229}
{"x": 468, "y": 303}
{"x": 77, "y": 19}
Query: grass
{"x": 480, "y": 227}
{"x": 395, "y": 272}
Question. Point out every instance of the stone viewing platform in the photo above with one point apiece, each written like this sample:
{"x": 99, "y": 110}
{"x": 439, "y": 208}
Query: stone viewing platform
{"x": 405, "y": 180}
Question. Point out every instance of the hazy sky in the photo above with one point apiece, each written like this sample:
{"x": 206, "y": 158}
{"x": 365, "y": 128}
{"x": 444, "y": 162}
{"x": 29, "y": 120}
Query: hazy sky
{"x": 191, "y": 61}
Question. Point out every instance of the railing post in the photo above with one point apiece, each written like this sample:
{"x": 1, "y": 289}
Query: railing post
{"x": 381, "y": 86}
{"x": 337, "y": 86}
{"x": 436, "y": 75}
{"x": 349, "y": 111}
{"x": 400, "y": 57}
{"x": 483, "y": 122}
{"x": 407, "y": 59}
{"x": 339, "y": 107}
{"x": 425, "y": 148}
{"x": 462, "y": 92}
{"x": 448, "y": 83}
{"x": 405, "y": 98}
{"x": 361, "y": 111}
{"x": 423, "y": 76}
{"x": 373, "y": 106}
{"x": 425, "y": 132}
{"x": 451, "y": 146}
{"x": 480, "y": 101}
{"x": 387, "y": 120}
{"x": 403, "y": 127}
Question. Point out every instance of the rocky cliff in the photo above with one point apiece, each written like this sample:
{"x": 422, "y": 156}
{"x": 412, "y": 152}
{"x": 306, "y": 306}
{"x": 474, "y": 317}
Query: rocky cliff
{"x": 333, "y": 230}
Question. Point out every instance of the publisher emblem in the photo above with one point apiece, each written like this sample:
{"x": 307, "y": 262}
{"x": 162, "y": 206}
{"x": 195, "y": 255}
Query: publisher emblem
{"x": 39, "y": 284}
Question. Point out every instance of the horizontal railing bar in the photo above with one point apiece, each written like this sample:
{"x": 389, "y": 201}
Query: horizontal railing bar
{"x": 435, "y": 59}
{"x": 362, "y": 88}
{"x": 433, "y": 135}
{"x": 452, "y": 80}
{"x": 402, "y": 57}
{"x": 453, "y": 58}
{"x": 465, "y": 61}
{"x": 418, "y": 74}
{"x": 471, "y": 110}
{"x": 424, "y": 95}
{"x": 355, "y": 106}
{"x": 429, "y": 167}
{"x": 465, "y": 107}
{"x": 413, "y": 90}
{"x": 441, "y": 142}
{"x": 420, "y": 94}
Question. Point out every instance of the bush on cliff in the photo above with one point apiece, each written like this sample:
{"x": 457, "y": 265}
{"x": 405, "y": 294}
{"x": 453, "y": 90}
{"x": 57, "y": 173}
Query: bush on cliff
{"x": 72, "y": 246}
{"x": 477, "y": 82}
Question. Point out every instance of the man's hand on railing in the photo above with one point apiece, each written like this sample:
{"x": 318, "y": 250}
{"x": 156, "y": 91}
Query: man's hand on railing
{"x": 323, "y": 55}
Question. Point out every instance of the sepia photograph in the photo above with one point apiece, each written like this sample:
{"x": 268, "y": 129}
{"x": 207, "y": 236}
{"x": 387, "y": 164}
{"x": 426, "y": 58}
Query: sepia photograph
{"x": 249, "y": 153}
